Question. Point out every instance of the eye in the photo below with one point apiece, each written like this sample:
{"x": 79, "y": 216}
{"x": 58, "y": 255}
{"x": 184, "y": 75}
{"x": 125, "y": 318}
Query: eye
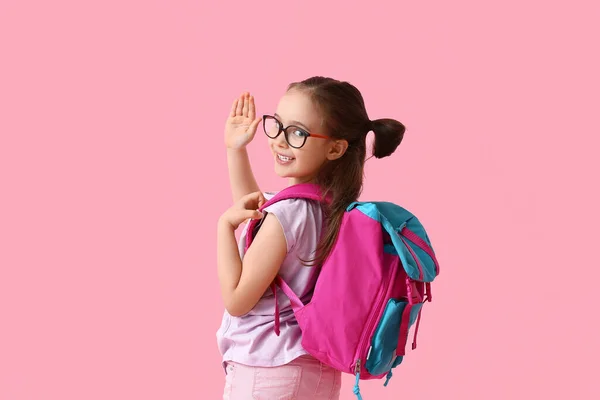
{"x": 300, "y": 133}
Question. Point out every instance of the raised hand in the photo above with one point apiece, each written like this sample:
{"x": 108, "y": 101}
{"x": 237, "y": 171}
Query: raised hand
{"x": 242, "y": 123}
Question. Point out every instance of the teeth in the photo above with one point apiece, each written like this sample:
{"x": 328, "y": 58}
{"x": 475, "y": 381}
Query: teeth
{"x": 284, "y": 158}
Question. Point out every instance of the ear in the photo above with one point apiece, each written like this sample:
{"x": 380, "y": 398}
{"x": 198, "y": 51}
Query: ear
{"x": 337, "y": 149}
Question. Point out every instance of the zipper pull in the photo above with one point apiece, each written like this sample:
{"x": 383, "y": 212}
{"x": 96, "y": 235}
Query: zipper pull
{"x": 387, "y": 378}
{"x": 357, "y": 373}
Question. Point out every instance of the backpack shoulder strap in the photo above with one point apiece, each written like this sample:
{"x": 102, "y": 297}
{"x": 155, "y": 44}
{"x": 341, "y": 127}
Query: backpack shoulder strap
{"x": 308, "y": 191}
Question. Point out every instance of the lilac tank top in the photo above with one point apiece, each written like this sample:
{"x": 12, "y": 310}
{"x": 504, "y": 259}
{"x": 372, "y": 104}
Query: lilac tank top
{"x": 251, "y": 339}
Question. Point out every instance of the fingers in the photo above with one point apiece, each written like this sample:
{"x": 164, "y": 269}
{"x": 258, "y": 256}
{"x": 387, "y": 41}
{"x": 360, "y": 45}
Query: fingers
{"x": 255, "y": 198}
{"x": 253, "y": 127}
{"x": 233, "y": 108}
{"x": 246, "y": 104}
{"x": 246, "y": 215}
{"x": 240, "y": 105}
{"x": 251, "y": 108}
{"x": 254, "y": 215}
{"x": 247, "y": 208}
{"x": 253, "y": 201}
{"x": 237, "y": 217}
{"x": 260, "y": 199}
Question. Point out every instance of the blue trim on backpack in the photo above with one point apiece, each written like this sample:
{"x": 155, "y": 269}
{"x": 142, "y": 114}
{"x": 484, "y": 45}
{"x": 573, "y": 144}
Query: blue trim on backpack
{"x": 393, "y": 218}
{"x": 382, "y": 355}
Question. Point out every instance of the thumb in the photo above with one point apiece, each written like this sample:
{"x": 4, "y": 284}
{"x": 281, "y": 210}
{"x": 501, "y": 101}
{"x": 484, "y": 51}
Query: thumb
{"x": 253, "y": 127}
{"x": 253, "y": 214}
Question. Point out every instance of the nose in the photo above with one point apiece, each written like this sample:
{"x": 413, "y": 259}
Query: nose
{"x": 280, "y": 141}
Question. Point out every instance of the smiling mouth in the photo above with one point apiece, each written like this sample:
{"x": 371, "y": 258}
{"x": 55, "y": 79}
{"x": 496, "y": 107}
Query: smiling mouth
{"x": 284, "y": 159}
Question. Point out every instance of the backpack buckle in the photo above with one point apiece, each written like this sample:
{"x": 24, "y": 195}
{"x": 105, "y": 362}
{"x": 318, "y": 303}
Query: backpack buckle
{"x": 412, "y": 293}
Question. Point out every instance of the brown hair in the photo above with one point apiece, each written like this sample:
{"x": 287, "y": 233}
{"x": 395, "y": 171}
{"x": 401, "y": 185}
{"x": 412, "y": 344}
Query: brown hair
{"x": 344, "y": 117}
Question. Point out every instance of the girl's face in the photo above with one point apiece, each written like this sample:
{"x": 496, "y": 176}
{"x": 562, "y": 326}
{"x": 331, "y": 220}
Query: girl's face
{"x": 302, "y": 165}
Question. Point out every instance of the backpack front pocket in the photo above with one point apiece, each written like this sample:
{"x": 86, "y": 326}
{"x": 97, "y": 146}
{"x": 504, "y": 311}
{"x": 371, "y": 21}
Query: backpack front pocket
{"x": 382, "y": 354}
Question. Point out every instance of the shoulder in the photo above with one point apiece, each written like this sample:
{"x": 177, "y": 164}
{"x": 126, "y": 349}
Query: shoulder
{"x": 293, "y": 209}
{"x": 295, "y": 215}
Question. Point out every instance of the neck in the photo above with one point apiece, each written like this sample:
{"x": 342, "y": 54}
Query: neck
{"x": 297, "y": 181}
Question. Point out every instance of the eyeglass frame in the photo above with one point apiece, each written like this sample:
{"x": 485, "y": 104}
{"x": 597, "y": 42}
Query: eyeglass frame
{"x": 283, "y": 129}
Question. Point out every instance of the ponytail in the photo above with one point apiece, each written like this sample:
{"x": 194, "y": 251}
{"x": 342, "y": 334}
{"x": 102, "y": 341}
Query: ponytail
{"x": 388, "y": 135}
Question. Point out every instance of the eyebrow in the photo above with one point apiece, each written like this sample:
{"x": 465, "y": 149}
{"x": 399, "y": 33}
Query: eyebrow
{"x": 293, "y": 122}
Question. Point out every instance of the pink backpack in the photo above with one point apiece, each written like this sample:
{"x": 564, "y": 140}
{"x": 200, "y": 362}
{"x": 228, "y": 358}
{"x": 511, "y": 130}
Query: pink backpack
{"x": 370, "y": 290}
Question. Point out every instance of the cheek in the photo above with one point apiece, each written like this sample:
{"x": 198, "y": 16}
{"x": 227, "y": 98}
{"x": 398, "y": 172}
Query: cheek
{"x": 311, "y": 159}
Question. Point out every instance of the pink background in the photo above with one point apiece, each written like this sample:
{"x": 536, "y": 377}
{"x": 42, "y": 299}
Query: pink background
{"x": 113, "y": 175}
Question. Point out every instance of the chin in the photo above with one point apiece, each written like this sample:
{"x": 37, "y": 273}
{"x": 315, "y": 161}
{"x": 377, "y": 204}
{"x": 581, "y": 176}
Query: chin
{"x": 291, "y": 173}
{"x": 283, "y": 172}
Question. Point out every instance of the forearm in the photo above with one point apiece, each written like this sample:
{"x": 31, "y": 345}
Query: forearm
{"x": 229, "y": 263}
{"x": 241, "y": 178}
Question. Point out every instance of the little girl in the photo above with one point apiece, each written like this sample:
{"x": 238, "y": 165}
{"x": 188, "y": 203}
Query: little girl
{"x": 317, "y": 135}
